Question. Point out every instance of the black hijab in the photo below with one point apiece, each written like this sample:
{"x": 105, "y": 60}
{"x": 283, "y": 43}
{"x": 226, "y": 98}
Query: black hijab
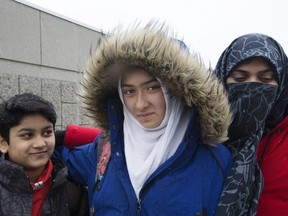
{"x": 257, "y": 108}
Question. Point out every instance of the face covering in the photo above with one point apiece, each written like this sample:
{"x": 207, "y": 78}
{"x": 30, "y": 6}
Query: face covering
{"x": 251, "y": 104}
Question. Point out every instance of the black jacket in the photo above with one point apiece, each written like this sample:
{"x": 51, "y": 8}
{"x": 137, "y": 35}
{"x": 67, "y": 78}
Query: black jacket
{"x": 16, "y": 195}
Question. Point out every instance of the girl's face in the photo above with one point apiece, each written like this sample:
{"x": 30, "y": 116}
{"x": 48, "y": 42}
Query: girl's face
{"x": 256, "y": 70}
{"x": 143, "y": 97}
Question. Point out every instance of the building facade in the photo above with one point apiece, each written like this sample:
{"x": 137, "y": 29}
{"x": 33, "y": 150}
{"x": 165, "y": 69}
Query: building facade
{"x": 44, "y": 53}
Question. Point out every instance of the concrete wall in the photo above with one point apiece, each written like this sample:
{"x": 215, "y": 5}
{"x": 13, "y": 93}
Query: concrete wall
{"x": 44, "y": 54}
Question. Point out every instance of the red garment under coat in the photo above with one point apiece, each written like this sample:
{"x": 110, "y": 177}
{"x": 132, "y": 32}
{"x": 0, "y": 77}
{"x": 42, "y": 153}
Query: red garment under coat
{"x": 274, "y": 166}
{"x": 39, "y": 194}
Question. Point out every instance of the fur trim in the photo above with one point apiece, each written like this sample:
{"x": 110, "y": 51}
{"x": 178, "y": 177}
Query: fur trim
{"x": 153, "y": 49}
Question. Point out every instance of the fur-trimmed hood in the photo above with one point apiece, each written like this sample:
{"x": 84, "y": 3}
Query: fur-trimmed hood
{"x": 155, "y": 50}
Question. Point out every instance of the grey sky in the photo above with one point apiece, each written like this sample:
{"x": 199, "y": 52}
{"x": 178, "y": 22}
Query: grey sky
{"x": 206, "y": 26}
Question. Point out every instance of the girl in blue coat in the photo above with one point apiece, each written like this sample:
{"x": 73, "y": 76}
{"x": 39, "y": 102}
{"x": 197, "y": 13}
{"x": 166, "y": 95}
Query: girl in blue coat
{"x": 163, "y": 114}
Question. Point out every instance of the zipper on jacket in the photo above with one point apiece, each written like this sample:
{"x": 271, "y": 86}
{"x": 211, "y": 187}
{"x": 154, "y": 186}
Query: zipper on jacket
{"x": 146, "y": 188}
{"x": 92, "y": 210}
{"x": 144, "y": 191}
{"x": 149, "y": 185}
{"x": 139, "y": 200}
{"x": 139, "y": 205}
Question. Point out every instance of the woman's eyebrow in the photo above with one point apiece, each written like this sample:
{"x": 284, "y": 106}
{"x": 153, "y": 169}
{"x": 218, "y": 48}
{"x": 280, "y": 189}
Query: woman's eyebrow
{"x": 149, "y": 81}
{"x": 270, "y": 70}
{"x": 239, "y": 70}
{"x": 142, "y": 84}
{"x": 261, "y": 71}
{"x": 126, "y": 85}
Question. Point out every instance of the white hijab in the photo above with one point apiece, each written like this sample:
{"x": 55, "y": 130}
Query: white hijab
{"x": 147, "y": 148}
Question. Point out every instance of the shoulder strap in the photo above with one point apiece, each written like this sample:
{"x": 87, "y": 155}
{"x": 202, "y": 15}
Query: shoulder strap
{"x": 217, "y": 161}
{"x": 103, "y": 160}
{"x": 103, "y": 157}
{"x": 102, "y": 140}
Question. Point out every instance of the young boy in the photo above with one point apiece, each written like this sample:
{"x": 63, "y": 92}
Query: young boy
{"x": 30, "y": 182}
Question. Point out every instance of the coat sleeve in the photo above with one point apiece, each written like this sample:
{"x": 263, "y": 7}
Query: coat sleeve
{"x": 79, "y": 135}
{"x": 81, "y": 161}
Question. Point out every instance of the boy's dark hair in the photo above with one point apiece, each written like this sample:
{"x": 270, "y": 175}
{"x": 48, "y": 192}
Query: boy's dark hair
{"x": 13, "y": 110}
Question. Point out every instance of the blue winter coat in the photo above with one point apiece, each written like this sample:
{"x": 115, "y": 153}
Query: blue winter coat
{"x": 189, "y": 183}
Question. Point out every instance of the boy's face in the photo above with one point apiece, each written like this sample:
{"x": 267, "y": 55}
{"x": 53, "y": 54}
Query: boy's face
{"x": 31, "y": 143}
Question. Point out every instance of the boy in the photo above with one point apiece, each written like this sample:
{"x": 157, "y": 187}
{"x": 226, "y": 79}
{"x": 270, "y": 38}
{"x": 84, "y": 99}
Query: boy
{"x": 30, "y": 182}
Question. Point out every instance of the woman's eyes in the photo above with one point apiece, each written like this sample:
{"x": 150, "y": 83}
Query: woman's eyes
{"x": 154, "y": 87}
{"x": 266, "y": 79}
{"x": 149, "y": 88}
{"x": 240, "y": 78}
{"x": 237, "y": 76}
{"x": 128, "y": 91}
{"x": 26, "y": 135}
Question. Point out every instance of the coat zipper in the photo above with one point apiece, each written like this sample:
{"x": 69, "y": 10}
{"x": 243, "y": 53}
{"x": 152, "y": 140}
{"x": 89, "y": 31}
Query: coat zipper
{"x": 147, "y": 187}
{"x": 139, "y": 205}
{"x": 144, "y": 191}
